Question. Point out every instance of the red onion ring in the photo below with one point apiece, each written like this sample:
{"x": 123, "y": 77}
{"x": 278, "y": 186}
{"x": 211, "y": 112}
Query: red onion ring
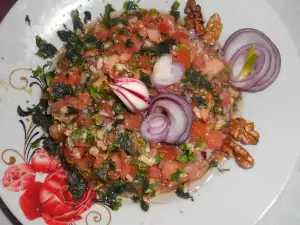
{"x": 155, "y": 127}
{"x": 249, "y": 36}
{"x": 179, "y": 113}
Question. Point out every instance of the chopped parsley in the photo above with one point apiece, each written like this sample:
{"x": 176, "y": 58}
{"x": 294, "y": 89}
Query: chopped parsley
{"x": 77, "y": 23}
{"x": 124, "y": 141}
{"x": 196, "y": 78}
{"x": 128, "y": 43}
{"x": 102, "y": 172}
{"x": 98, "y": 94}
{"x": 181, "y": 194}
{"x": 46, "y": 50}
{"x": 77, "y": 185}
{"x": 159, "y": 158}
{"x": 61, "y": 90}
{"x": 215, "y": 164}
{"x": 141, "y": 174}
{"x": 175, "y": 10}
{"x": 177, "y": 174}
{"x": 27, "y": 19}
{"x": 145, "y": 78}
{"x": 131, "y": 5}
{"x": 186, "y": 155}
{"x": 87, "y": 16}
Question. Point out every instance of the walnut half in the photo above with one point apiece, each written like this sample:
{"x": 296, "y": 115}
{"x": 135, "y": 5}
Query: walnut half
{"x": 213, "y": 29}
{"x": 241, "y": 155}
{"x": 243, "y": 131}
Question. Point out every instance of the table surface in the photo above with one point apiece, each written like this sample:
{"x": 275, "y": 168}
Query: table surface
{"x": 286, "y": 209}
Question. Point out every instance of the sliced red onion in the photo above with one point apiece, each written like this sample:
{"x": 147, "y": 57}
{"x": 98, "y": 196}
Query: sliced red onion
{"x": 260, "y": 79}
{"x": 166, "y": 72}
{"x": 179, "y": 113}
{"x": 155, "y": 127}
{"x": 260, "y": 68}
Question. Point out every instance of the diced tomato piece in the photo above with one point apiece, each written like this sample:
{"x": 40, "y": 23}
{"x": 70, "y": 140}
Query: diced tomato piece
{"x": 154, "y": 35}
{"x": 198, "y": 129}
{"x": 85, "y": 99}
{"x": 55, "y": 133}
{"x": 125, "y": 57}
{"x": 180, "y": 34}
{"x": 101, "y": 33}
{"x": 169, "y": 151}
{"x": 150, "y": 21}
{"x": 132, "y": 121}
{"x": 137, "y": 44}
{"x": 154, "y": 172}
{"x": 226, "y": 99}
{"x": 166, "y": 24}
{"x": 127, "y": 167}
{"x": 117, "y": 160}
{"x": 84, "y": 120}
{"x": 85, "y": 163}
{"x": 98, "y": 161}
{"x": 169, "y": 168}
{"x": 182, "y": 55}
{"x": 214, "y": 139}
{"x": 119, "y": 48}
{"x": 138, "y": 28}
{"x": 199, "y": 63}
{"x": 108, "y": 109}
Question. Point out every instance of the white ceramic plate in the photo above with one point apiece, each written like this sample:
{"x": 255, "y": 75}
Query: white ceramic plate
{"x": 238, "y": 197}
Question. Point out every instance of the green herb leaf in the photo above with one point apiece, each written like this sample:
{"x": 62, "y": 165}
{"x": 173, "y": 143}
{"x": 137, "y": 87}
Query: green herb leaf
{"x": 27, "y": 19}
{"x": 90, "y": 42}
{"x": 124, "y": 141}
{"x": 106, "y": 19}
{"x": 144, "y": 205}
{"x": 65, "y": 35}
{"x": 51, "y": 146}
{"x": 77, "y": 23}
{"x": 159, "y": 158}
{"x": 38, "y": 73}
{"x": 142, "y": 174}
{"x": 61, "y": 90}
{"x": 128, "y": 43}
{"x": 87, "y": 16}
{"x": 98, "y": 94}
{"x": 145, "y": 78}
{"x": 181, "y": 194}
{"x": 196, "y": 78}
{"x": 77, "y": 185}
{"x": 160, "y": 49}
{"x": 215, "y": 164}
{"x": 135, "y": 161}
{"x": 200, "y": 101}
{"x": 46, "y": 50}
{"x": 131, "y": 5}
{"x": 174, "y": 10}
{"x": 177, "y": 174}
{"x": 119, "y": 107}
{"x": 102, "y": 172}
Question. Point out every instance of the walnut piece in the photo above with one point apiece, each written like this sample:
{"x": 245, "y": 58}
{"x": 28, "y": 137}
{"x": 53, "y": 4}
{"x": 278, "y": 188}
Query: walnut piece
{"x": 243, "y": 131}
{"x": 241, "y": 155}
{"x": 213, "y": 29}
{"x": 194, "y": 18}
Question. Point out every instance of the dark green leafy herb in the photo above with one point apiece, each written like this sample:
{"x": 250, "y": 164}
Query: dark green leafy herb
{"x": 98, "y": 94}
{"x": 174, "y": 10}
{"x": 145, "y": 78}
{"x": 196, "y": 78}
{"x": 118, "y": 122}
{"x": 135, "y": 161}
{"x": 46, "y": 50}
{"x": 90, "y": 42}
{"x": 27, "y": 19}
{"x": 215, "y": 164}
{"x": 160, "y": 49}
{"x": 40, "y": 116}
{"x": 38, "y": 72}
{"x": 131, "y": 5}
{"x": 159, "y": 158}
{"x": 112, "y": 148}
{"x": 77, "y": 185}
{"x": 128, "y": 43}
{"x": 119, "y": 107}
{"x": 177, "y": 174}
{"x": 106, "y": 19}
{"x": 181, "y": 194}
{"x": 51, "y": 146}
{"x": 151, "y": 190}
{"x": 111, "y": 196}
{"x": 200, "y": 101}
{"x": 87, "y": 16}
{"x": 75, "y": 58}
{"x": 72, "y": 110}
{"x": 116, "y": 21}
{"x": 186, "y": 155}
{"x": 65, "y": 35}
{"x": 61, "y": 90}
{"x": 77, "y": 23}
{"x": 37, "y": 142}
{"x": 124, "y": 141}
{"x": 102, "y": 172}
{"x": 144, "y": 205}
{"x": 142, "y": 174}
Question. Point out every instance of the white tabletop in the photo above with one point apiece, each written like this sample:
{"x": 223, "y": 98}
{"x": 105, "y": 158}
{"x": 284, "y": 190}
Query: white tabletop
{"x": 285, "y": 210}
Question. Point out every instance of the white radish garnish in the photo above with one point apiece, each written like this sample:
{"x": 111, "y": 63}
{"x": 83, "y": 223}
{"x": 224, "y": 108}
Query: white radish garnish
{"x": 166, "y": 72}
{"x": 132, "y": 92}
